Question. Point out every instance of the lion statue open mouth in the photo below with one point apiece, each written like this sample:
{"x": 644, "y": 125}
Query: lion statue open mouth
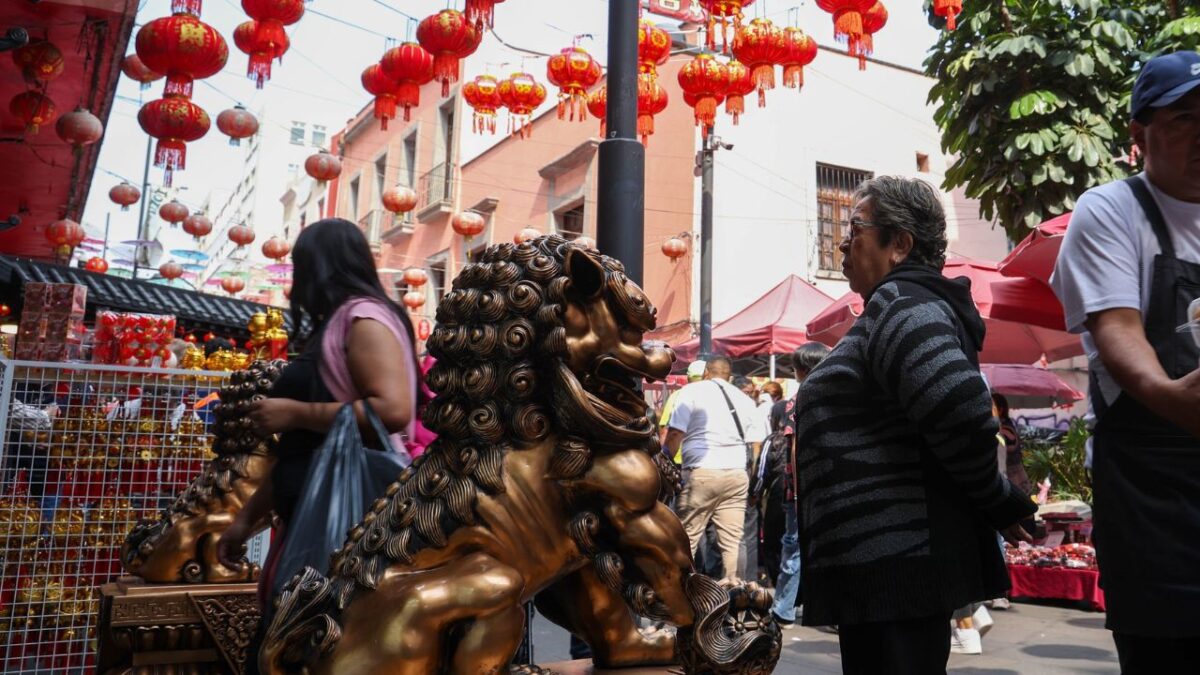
{"x": 544, "y": 484}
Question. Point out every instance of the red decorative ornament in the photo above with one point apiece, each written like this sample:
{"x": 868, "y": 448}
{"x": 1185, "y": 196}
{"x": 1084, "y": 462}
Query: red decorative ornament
{"x": 654, "y": 47}
{"x": 483, "y": 95}
{"x": 400, "y": 199}
{"x": 481, "y": 12}
{"x": 286, "y": 12}
{"x": 414, "y": 299}
{"x": 586, "y": 242}
{"x": 33, "y": 108}
{"x": 760, "y": 45}
{"x": 740, "y": 85}
{"x": 6, "y": 311}
{"x": 137, "y": 71}
{"x": 96, "y": 264}
{"x": 65, "y": 233}
{"x": 597, "y": 105}
{"x": 874, "y": 20}
{"x": 263, "y": 45}
{"x": 170, "y": 270}
{"x": 522, "y": 95}
{"x": 198, "y": 225}
{"x": 573, "y": 71}
{"x": 526, "y": 234}
{"x": 674, "y": 248}
{"x": 323, "y": 166}
{"x": 410, "y": 66}
{"x": 706, "y": 80}
{"x": 39, "y": 61}
{"x": 183, "y": 48}
{"x": 237, "y": 123}
{"x": 233, "y": 285}
{"x": 276, "y": 248}
{"x": 949, "y": 9}
{"x": 174, "y": 121}
{"x": 125, "y": 195}
{"x": 174, "y": 212}
{"x": 847, "y": 21}
{"x": 424, "y": 328}
{"x": 652, "y": 99}
{"x": 383, "y": 88}
{"x": 241, "y": 235}
{"x": 449, "y": 37}
{"x": 801, "y": 50}
{"x": 467, "y": 223}
{"x": 79, "y": 128}
{"x": 728, "y": 13}
{"x": 415, "y": 276}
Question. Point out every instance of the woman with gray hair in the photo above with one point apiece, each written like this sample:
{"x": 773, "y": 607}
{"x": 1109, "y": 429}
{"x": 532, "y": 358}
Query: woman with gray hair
{"x": 899, "y": 497}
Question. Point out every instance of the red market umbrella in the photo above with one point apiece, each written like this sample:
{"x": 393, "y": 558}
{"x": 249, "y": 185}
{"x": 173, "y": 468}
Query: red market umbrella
{"x": 1035, "y": 255}
{"x": 1024, "y": 319}
{"x": 1029, "y": 386}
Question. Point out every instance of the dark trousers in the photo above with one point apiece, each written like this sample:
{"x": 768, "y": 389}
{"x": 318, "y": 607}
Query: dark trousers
{"x": 1144, "y": 655}
{"x": 911, "y": 647}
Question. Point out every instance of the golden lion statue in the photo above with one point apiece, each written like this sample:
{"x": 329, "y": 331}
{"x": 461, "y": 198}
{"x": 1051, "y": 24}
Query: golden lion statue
{"x": 544, "y": 484}
{"x": 181, "y": 546}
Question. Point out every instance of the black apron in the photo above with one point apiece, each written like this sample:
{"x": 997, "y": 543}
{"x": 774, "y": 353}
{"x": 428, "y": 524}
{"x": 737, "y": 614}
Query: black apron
{"x": 1146, "y": 471}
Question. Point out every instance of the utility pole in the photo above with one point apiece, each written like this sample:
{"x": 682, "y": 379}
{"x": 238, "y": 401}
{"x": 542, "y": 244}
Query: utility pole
{"x": 141, "y": 227}
{"x": 621, "y": 193}
{"x": 710, "y": 144}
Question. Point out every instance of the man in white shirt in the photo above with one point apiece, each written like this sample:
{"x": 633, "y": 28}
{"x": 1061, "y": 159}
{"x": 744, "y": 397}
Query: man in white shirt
{"x": 715, "y": 425}
{"x": 1129, "y": 267}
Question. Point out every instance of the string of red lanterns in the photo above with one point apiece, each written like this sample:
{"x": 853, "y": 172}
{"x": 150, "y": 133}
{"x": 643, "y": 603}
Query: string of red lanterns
{"x": 170, "y": 270}
{"x": 383, "y": 88}
{"x": 34, "y": 109}
{"x": 183, "y": 48}
{"x": 233, "y": 285}
{"x": 652, "y": 99}
{"x": 96, "y": 264}
{"x": 482, "y": 12}
{"x": 740, "y": 86}
{"x": 265, "y": 39}
{"x": 801, "y": 50}
{"x": 704, "y": 81}
{"x": 39, "y": 61}
{"x": 276, "y": 248}
{"x": 198, "y": 225}
{"x": 137, "y": 71}
{"x": 597, "y": 105}
{"x": 237, "y": 123}
{"x": 674, "y": 248}
{"x": 174, "y": 212}
{"x": 450, "y": 37}
{"x": 399, "y": 199}
{"x": 761, "y": 46}
{"x": 415, "y": 276}
{"x": 874, "y": 19}
{"x": 483, "y": 95}
{"x": 573, "y": 71}
{"x": 410, "y": 66}
{"x": 80, "y": 128}
{"x": 521, "y": 94}
{"x": 949, "y": 10}
{"x": 124, "y": 195}
{"x": 414, "y": 300}
{"x": 727, "y": 13}
{"x": 64, "y": 235}
{"x": 847, "y": 21}
{"x": 322, "y": 166}
{"x": 241, "y": 235}
{"x": 467, "y": 223}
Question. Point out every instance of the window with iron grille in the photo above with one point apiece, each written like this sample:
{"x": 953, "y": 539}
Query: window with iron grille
{"x": 835, "y": 201}
{"x": 569, "y": 223}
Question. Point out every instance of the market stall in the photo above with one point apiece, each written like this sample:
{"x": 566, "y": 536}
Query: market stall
{"x": 1066, "y": 572}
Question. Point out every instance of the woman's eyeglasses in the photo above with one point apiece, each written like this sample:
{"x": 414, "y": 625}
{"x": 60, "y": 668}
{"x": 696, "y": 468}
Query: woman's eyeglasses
{"x": 857, "y": 225}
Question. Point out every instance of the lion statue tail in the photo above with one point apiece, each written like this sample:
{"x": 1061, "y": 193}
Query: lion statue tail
{"x": 303, "y": 628}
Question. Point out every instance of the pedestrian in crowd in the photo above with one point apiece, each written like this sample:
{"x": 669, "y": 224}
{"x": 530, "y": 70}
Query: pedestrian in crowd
{"x": 1128, "y": 268}
{"x": 899, "y": 494}
{"x": 695, "y": 373}
{"x": 1014, "y": 456}
{"x": 770, "y": 394}
{"x": 749, "y": 552}
{"x": 713, "y": 424}
{"x": 771, "y": 467}
{"x": 747, "y": 387}
{"x": 787, "y": 585}
{"x": 359, "y": 348}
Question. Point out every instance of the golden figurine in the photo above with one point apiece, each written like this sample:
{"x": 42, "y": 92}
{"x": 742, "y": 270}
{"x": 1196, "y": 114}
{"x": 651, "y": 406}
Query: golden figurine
{"x": 258, "y": 344}
{"x": 276, "y": 336}
{"x": 193, "y": 358}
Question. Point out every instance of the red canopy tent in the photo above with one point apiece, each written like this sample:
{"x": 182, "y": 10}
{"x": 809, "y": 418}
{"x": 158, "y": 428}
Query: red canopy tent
{"x": 771, "y": 325}
{"x": 1029, "y": 386}
{"x": 1035, "y": 255}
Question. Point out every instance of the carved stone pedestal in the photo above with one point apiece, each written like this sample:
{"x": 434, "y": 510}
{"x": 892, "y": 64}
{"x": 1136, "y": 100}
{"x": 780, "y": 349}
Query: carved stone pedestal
{"x": 168, "y": 629}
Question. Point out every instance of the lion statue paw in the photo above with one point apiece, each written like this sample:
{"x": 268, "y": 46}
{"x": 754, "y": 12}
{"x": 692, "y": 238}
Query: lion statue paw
{"x": 734, "y": 632}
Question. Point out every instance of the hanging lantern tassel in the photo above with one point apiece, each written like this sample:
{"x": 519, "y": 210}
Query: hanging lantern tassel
{"x": 949, "y": 9}
{"x": 445, "y": 68}
{"x": 259, "y": 68}
{"x": 793, "y": 77}
{"x": 385, "y": 109}
{"x": 764, "y": 79}
{"x": 645, "y": 127}
{"x": 848, "y": 28}
{"x": 171, "y": 155}
{"x": 735, "y": 106}
{"x": 408, "y": 93}
{"x": 186, "y": 7}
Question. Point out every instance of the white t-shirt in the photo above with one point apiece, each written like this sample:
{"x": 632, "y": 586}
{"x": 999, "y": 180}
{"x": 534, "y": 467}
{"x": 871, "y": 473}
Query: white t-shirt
{"x": 711, "y": 439}
{"x": 1107, "y": 259}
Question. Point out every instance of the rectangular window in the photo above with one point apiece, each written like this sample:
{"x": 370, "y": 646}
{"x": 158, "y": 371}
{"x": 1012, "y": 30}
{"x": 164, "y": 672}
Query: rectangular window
{"x": 438, "y": 282}
{"x": 297, "y": 133}
{"x": 835, "y": 201}
{"x": 408, "y": 175}
{"x": 320, "y": 208}
{"x": 569, "y": 223}
{"x": 318, "y": 135}
{"x": 353, "y": 206}
{"x": 380, "y": 179}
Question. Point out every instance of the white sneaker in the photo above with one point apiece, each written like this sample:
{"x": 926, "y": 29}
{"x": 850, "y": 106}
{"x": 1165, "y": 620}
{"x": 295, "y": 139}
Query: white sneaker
{"x": 1001, "y": 604}
{"x": 965, "y": 641}
{"x": 982, "y": 620}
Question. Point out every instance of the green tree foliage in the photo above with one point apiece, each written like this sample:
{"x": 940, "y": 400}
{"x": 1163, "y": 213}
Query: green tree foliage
{"x": 1032, "y": 96}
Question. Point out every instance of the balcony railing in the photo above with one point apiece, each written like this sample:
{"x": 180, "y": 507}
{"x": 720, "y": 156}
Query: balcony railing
{"x": 436, "y": 189}
{"x": 371, "y": 225}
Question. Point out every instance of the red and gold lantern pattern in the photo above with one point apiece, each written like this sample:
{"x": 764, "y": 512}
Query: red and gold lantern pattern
{"x": 654, "y": 47}
{"x": 400, "y": 199}
{"x": 415, "y": 276}
{"x": 467, "y": 223}
{"x": 652, "y": 99}
{"x": 174, "y": 212}
{"x": 729, "y": 14}
{"x": 233, "y": 285}
{"x": 183, "y": 48}
{"x": 761, "y": 46}
{"x": 198, "y": 225}
{"x": 481, "y": 12}
{"x": 411, "y": 67}
{"x": 949, "y": 9}
{"x": 170, "y": 270}
{"x": 79, "y": 128}
{"x": 573, "y": 71}
{"x": 383, "y": 88}
{"x": 124, "y": 195}
{"x": 740, "y": 85}
{"x": 323, "y": 166}
{"x": 96, "y": 264}
{"x": 526, "y": 234}
{"x": 483, "y": 95}
{"x": 241, "y": 235}
{"x": 801, "y": 50}
{"x": 39, "y": 61}
{"x": 237, "y": 123}
{"x": 874, "y": 20}
{"x": 674, "y": 248}
{"x": 286, "y": 12}
{"x": 64, "y": 234}
{"x": 450, "y": 37}
{"x": 34, "y": 109}
{"x": 706, "y": 80}
{"x": 597, "y": 105}
{"x": 847, "y": 21}
{"x": 414, "y": 299}
{"x": 263, "y": 42}
{"x": 276, "y": 248}
{"x": 137, "y": 71}
{"x": 521, "y": 94}
{"x": 174, "y": 121}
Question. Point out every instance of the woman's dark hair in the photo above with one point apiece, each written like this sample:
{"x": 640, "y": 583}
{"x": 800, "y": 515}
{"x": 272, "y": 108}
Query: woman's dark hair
{"x": 332, "y": 264}
{"x": 911, "y": 205}
{"x": 1001, "y": 405}
{"x": 807, "y": 356}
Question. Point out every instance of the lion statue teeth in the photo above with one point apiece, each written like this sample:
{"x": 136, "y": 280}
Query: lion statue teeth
{"x": 544, "y": 484}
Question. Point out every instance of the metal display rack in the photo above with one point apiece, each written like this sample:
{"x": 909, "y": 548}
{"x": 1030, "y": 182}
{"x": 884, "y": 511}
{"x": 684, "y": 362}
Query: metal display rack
{"x": 85, "y": 452}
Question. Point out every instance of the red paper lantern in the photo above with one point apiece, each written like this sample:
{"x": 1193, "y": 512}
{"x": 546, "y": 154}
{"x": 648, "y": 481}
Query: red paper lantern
{"x": 411, "y": 67}
{"x": 6, "y": 311}
{"x": 323, "y": 166}
{"x": 597, "y": 105}
{"x": 79, "y": 128}
{"x": 400, "y": 199}
{"x": 706, "y": 80}
{"x": 522, "y": 95}
{"x": 237, "y": 123}
{"x": 174, "y": 212}
{"x": 263, "y": 43}
{"x": 414, "y": 299}
{"x": 467, "y": 223}
{"x": 586, "y": 242}
{"x": 33, "y": 108}
{"x": 286, "y": 12}
{"x": 801, "y": 50}
{"x": 423, "y": 329}
{"x": 449, "y": 36}
{"x": 96, "y": 264}
{"x": 740, "y": 84}
{"x": 652, "y": 99}
{"x": 483, "y": 95}
{"x": 654, "y": 47}
{"x": 241, "y": 235}
{"x": 174, "y": 121}
{"x": 949, "y": 9}
{"x": 415, "y": 276}
{"x": 573, "y": 71}
{"x": 65, "y": 234}
{"x": 481, "y": 12}
{"x": 183, "y": 48}
{"x": 847, "y": 21}
{"x": 40, "y": 61}
{"x": 137, "y": 71}
{"x": 674, "y": 248}
{"x": 761, "y": 46}
{"x": 383, "y": 88}
{"x": 276, "y": 248}
{"x": 874, "y": 20}
{"x": 170, "y": 270}
{"x": 233, "y": 285}
{"x": 526, "y": 234}
{"x": 198, "y": 225}
{"x": 728, "y": 13}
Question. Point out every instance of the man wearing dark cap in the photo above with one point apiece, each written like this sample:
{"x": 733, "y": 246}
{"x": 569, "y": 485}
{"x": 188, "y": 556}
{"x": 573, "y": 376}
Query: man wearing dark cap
{"x": 1128, "y": 269}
